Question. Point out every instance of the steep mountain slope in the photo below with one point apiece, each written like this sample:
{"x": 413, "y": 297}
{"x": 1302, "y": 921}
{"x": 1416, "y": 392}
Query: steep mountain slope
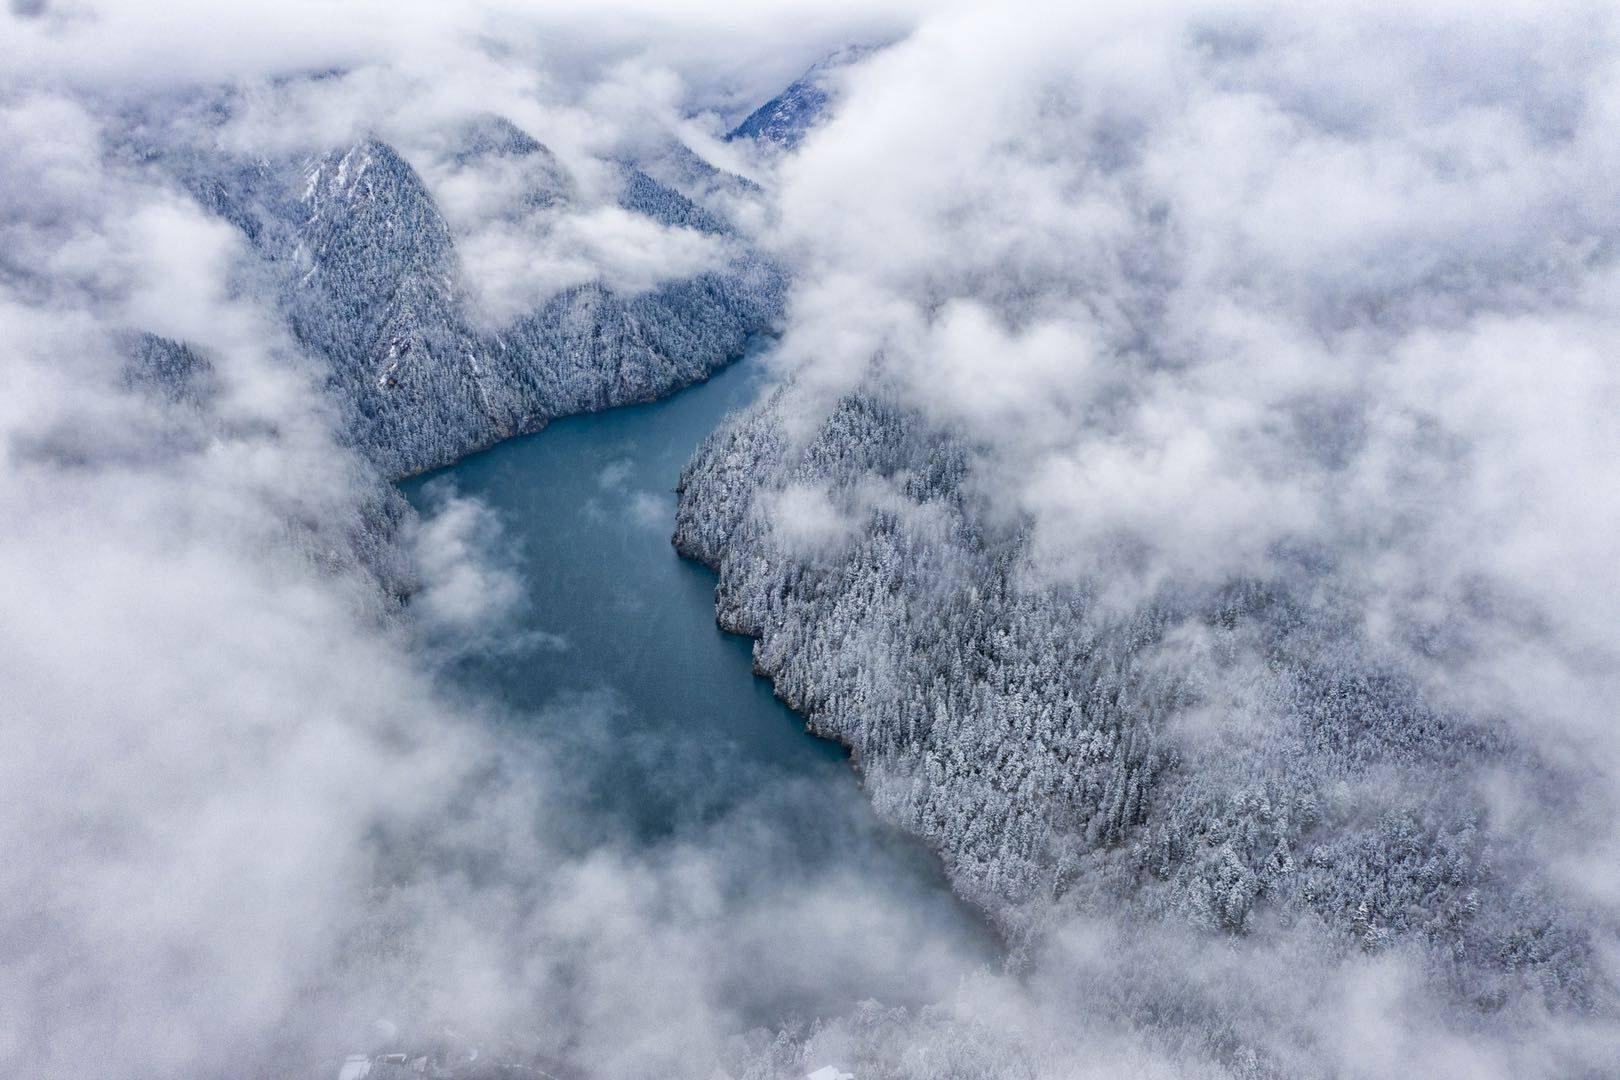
{"x": 369, "y": 277}
{"x": 783, "y": 122}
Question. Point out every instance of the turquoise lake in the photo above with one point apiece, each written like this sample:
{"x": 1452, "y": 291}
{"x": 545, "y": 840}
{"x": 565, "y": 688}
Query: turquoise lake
{"x": 655, "y": 713}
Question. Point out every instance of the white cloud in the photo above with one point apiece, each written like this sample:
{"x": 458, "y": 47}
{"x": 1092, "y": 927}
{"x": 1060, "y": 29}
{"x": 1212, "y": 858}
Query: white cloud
{"x": 1202, "y": 287}
{"x": 1195, "y": 281}
{"x": 243, "y": 817}
{"x": 805, "y": 520}
{"x": 1193, "y": 295}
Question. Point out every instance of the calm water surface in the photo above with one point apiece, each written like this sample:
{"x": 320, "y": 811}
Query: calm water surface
{"x": 653, "y": 709}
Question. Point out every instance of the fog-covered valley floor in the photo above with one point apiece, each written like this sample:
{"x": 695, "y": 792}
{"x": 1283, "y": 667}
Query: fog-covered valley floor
{"x": 1177, "y": 464}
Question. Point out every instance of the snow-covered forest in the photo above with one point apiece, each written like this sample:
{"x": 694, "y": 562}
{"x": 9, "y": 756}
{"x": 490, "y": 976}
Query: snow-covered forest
{"x": 1184, "y": 479}
{"x": 366, "y": 269}
{"x": 1169, "y": 538}
{"x": 1039, "y": 740}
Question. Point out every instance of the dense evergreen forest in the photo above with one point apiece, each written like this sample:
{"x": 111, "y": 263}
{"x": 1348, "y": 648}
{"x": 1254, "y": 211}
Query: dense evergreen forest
{"x": 1182, "y": 480}
{"x": 1040, "y": 740}
{"x": 367, "y": 274}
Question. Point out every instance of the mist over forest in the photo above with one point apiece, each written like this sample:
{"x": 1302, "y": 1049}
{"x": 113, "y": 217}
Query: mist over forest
{"x": 1182, "y": 476}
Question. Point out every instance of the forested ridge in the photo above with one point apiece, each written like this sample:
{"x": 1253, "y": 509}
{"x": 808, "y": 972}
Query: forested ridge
{"x": 1047, "y": 746}
{"x": 367, "y": 274}
{"x": 1180, "y": 483}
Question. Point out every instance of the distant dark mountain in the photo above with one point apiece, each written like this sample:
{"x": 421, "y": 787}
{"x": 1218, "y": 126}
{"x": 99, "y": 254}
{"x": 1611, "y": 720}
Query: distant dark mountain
{"x": 675, "y": 165}
{"x": 646, "y": 196}
{"x": 496, "y": 136}
{"x": 787, "y": 118}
